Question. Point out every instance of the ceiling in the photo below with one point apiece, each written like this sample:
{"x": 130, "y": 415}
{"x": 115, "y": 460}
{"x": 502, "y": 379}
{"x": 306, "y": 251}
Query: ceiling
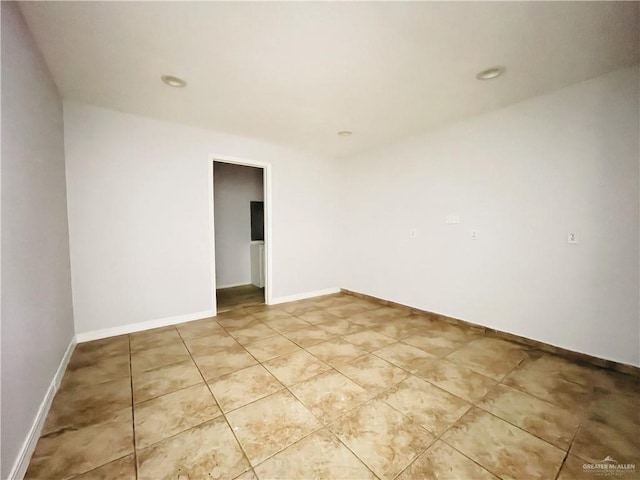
{"x": 296, "y": 73}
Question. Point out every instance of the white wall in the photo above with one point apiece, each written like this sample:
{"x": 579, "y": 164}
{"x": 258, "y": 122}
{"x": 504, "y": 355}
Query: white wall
{"x": 524, "y": 177}
{"x": 234, "y": 187}
{"x": 138, "y": 194}
{"x": 37, "y": 320}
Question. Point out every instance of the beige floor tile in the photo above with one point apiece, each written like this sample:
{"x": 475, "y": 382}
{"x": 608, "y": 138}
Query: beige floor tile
{"x": 458, "y": 333}
{"x": 376, "y": 316}
{"x": 272, "y": 314}
{"x": 441, "y": 462}
{"x": 298, "y": 308}
{"x": 198, "y": 328}
{"x": 398, "y": 329}
{"x": 573, "y": 469}
{"x": 317, "y": 316}
{"x": 492, "y": 357}
{"x": 434, "y": 343}
{"x": 419, "y": 322}
{"x": 251, "y": 309}
{"x": 549, "y": 386}
{"x": 163, "y": 380}
{"x": 404, "y": 356}
{"x": 164, "y": 416}
{"x": 336, "y": 351}
{"x": 253, "y": 333}
{"x": 563, "y": 368}
{"x": 71, "y": 452}
{"x": 454, "y": 378}
{"x": 83, "y": 405}
{"x": 333, "y": 300}
{"x": 426, "y": 404}
{"x": 372, "y": 373}
{"x": 594, "y": 441}
{"x": 616, "y": 383}
{"x": 100, "y": 371}
{"x": 122, "y": 469}
{"x": 296, "y": 367}
{"x": 211, "y": 343}
{"x": 207, "y": 451}
{"x": 271, "y": 424}
{"x": 619, "y": 411}
{"x": 611, "y": 427}
{"x": 329, "y": 395}
{"x": 543, "y": 419}
{"x": 283, "y": 325}
{"x": 154, "y": 338}
{"x": 369, "y": 340}
{"x": 502, "y": 448}
{"x": 339, "y": 326}
{"x": 232, "y": 321}
{"x": 239, "y": 311}
{"x": 152, "y": 358}
{"x": 309, "y": 335}
{"x": 271, "y": 347}
{"x": 518, "y": 429}
{"x": 248, "y": 475}
{"x": 349, "y": 309}
{"x": 216, "y": 364}
{"x": 88, "y": 353}
{"x": 320, "y": 455}
{"x": 244, "y": 386}
{"x": 384, "y": 439}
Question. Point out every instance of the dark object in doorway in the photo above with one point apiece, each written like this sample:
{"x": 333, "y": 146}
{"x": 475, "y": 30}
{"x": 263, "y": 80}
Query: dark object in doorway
{"x": 257, "y": 221}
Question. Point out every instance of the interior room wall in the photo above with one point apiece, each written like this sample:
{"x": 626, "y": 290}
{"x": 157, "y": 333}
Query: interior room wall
{"x": 234, "y": 187}
{"x": 138, "y": 195}
{"x": 524, "y": 177}
{"x": 37, "y": 319}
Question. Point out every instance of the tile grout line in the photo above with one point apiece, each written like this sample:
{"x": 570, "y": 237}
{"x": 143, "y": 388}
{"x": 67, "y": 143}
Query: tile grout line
{"x": 591, "y": 394}
{"x": 472, "y": 404}
{"x": 222, "y": 413}
{"x": 357, "y": 406}
{"x": 566, "y": 455}
{"x": 133, "y": 410}
{"x": 322, "y": 424}
{"x": 261, "y": 398}
{"x": 368, "y": 352}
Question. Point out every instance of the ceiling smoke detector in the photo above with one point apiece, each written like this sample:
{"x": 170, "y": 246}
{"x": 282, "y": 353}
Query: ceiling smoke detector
{"x": 173, "y": 81}
{"x": 490, "y": 73}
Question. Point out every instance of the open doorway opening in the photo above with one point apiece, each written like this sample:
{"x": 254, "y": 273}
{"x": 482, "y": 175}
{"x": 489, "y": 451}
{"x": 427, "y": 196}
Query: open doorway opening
{"x": 239, "y": 194}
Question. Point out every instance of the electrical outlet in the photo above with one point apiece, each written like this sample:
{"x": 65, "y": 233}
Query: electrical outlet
{"x": 474, "y": 234}
{"x": 572, "y": 238}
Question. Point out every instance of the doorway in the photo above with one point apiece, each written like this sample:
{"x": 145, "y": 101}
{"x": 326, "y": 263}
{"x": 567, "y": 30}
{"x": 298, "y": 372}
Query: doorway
{"x": 240, "y": 231}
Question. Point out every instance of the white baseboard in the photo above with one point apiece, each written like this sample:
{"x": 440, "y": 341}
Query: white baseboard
{"x": 231, "y": 285}
{"x": 303, "y": 296}
{"x": 140, "y": 326}
{"x": 29, "y": 445}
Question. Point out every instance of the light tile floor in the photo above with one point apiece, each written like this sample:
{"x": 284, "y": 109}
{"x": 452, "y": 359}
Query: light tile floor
{"x": 331, "y": 387}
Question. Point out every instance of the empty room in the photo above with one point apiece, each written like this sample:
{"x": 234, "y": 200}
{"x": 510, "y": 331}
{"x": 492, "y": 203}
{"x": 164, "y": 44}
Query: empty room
{"x": 320, "y": 240}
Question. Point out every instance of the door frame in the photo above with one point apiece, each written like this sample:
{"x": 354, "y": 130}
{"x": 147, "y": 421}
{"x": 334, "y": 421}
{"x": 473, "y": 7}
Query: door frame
{"x": 268, "y": 244}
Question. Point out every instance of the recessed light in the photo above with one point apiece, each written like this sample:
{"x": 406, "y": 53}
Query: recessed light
{"x": 173, "y": 81}
{"x": 490, "y": 73}
{"x": 344, "y": 133}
